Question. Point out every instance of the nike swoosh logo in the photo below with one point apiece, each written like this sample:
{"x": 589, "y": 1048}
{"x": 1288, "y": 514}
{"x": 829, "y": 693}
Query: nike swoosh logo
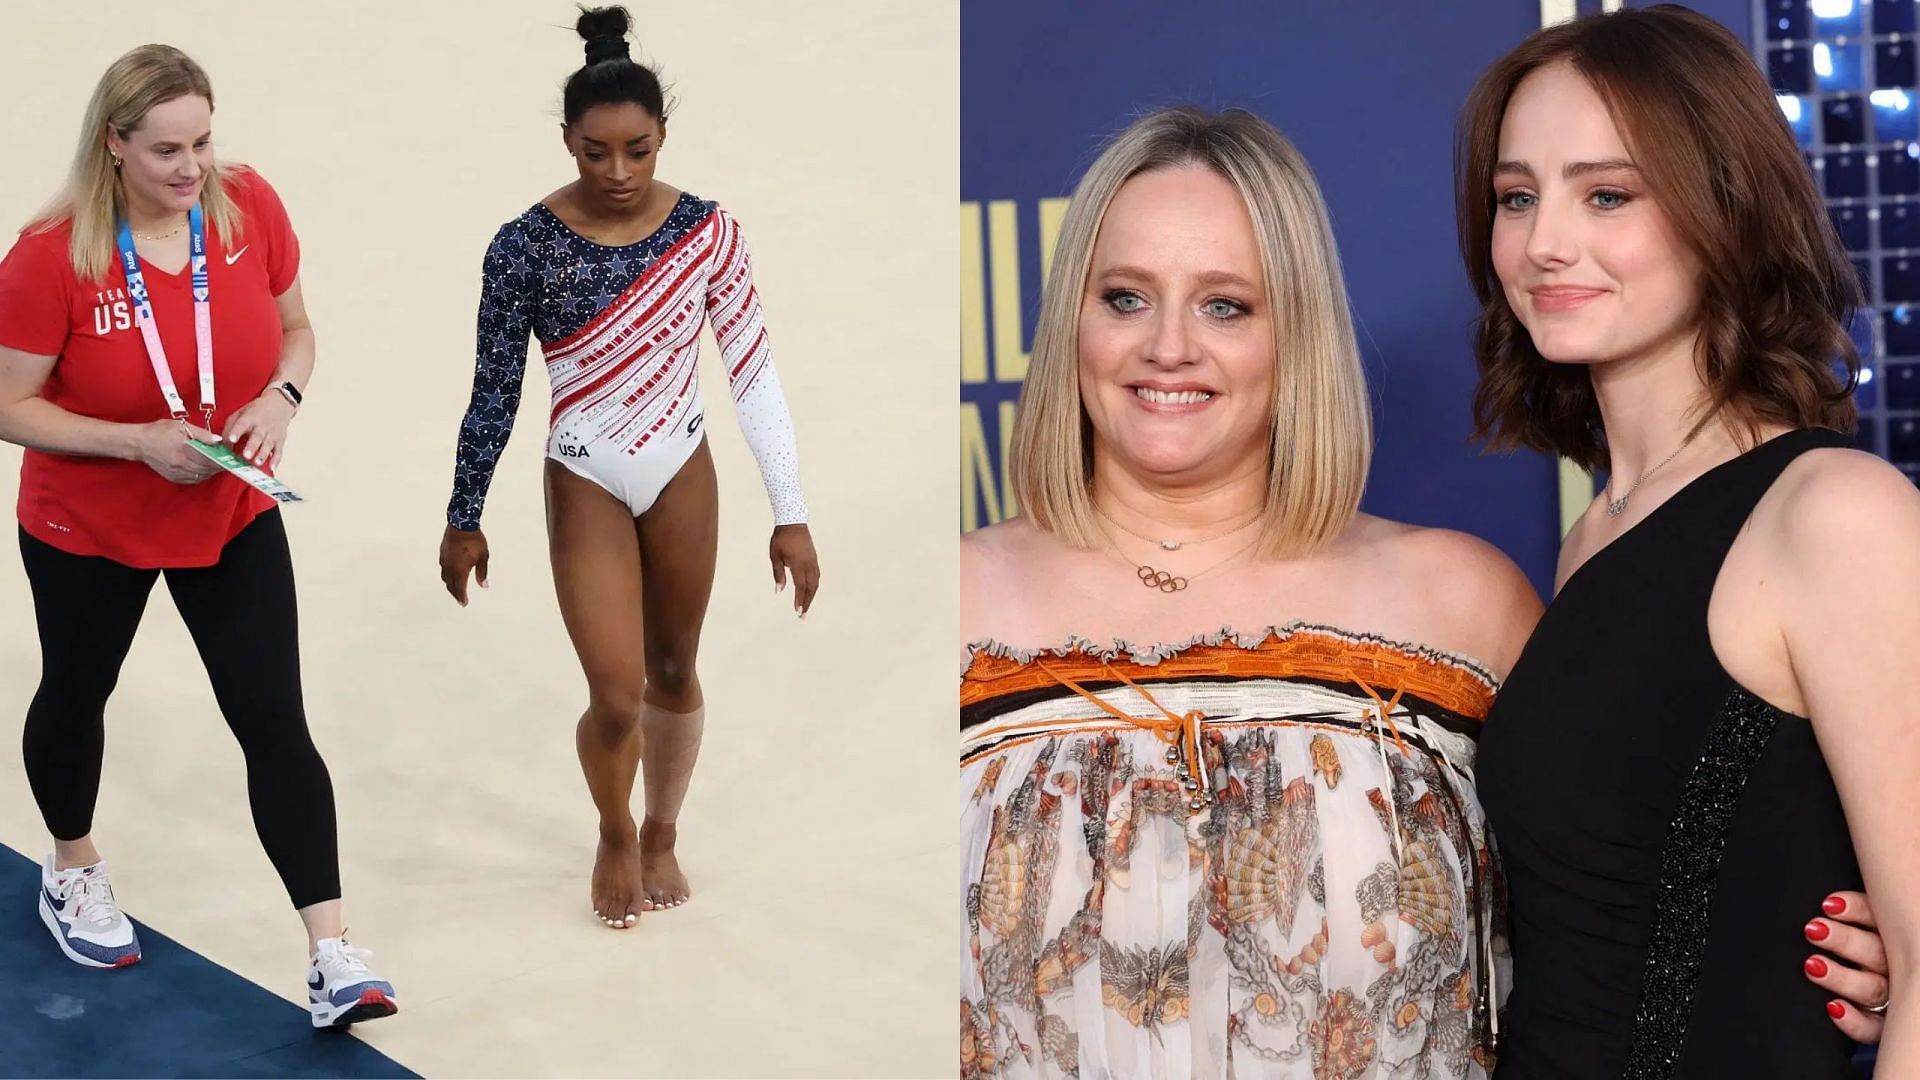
{"x": 235, "y": 257}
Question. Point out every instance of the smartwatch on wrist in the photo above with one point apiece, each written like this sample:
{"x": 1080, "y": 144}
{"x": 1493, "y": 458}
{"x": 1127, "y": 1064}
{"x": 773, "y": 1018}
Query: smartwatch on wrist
{"x": 290, "y": 392}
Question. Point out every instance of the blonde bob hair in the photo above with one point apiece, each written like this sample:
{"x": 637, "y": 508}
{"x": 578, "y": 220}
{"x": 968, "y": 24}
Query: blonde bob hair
{"x": 1322, "y": 428}
{"x": 93, "y": 198}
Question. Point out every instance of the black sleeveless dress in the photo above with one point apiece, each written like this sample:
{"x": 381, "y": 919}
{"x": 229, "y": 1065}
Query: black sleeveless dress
{"x": 1665, "y": 834}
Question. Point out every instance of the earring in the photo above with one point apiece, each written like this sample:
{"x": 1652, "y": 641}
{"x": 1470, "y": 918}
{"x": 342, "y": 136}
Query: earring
{"x": 116, "y": 160}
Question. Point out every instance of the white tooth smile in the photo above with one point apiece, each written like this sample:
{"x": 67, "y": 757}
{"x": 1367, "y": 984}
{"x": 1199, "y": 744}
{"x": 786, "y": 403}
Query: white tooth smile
{"x": 1180, "y": 397}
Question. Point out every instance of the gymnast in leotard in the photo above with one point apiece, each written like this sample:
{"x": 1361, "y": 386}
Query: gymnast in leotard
{"x": 615, "y": 274}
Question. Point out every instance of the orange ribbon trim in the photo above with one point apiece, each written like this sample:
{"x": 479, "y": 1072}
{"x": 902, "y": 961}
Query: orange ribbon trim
{"x": 1170, "y": 727}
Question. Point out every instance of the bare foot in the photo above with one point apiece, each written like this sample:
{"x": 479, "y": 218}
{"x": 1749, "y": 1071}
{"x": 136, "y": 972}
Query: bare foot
{"x": 666, "y": 886}
{"x": 617, "y": 877}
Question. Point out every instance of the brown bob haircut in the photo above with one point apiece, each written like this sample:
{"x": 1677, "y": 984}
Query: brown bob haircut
{"x": 1702, "y": 125}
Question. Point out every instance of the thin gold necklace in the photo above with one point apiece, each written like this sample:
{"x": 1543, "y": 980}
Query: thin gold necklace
{"x": 175, "y": 231}
{"x": 1176, "y": 545}
{"x": 1166, "y": 582}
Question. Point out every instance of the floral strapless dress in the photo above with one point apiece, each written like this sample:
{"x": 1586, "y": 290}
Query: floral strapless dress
{"x": 1239, "y": 857}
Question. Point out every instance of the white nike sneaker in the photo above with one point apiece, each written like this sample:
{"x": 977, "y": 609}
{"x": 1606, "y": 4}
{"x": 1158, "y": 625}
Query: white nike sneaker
{"x": 340, "y": 989}
{"x": 77, "y": 906}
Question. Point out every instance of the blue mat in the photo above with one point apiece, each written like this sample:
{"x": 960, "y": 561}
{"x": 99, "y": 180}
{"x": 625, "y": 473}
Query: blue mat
{"x": 175, "y": 1013}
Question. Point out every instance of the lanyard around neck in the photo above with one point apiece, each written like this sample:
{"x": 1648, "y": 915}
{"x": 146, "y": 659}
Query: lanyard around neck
{"x": 202, "y": 318}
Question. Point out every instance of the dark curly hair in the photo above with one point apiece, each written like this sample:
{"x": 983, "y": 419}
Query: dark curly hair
{"x": 1702, "y": 125}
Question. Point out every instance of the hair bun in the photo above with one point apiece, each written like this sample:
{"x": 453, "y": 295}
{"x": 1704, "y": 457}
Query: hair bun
{"x": 604, "y": 29}
{"x": 611, "y": 75}
{"x": 602, "y": 49}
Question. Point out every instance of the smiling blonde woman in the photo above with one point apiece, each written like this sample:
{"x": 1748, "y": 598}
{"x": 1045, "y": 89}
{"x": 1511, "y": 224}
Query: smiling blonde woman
{"x": 160, "y": 279}
{"x": 1217, "y": 811}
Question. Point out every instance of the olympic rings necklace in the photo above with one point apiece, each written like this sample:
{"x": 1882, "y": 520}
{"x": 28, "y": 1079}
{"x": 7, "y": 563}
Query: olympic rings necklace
{"x": 1164, "y": 581}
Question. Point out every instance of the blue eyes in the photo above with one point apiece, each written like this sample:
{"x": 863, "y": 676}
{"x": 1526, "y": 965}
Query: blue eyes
{"x": 1599, "y": 200}
{"x": 1127, "y": 302}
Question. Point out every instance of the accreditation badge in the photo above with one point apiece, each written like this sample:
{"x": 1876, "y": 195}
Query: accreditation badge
{"x": 224, "y": 456}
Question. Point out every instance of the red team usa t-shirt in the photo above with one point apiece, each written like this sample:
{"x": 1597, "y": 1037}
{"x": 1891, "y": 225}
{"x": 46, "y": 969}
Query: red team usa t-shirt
{"x": 123, "y": 509}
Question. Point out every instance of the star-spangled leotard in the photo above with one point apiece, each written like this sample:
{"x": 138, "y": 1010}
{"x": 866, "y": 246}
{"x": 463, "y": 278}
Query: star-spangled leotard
{"x": 619, "y": 327}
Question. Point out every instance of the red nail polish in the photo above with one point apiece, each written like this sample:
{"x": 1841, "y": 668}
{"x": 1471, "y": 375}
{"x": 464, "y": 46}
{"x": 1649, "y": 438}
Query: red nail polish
{"x": 1833, "y": 905}
{"x": 1836, "y": 1010}
{"x": 1816, "y": 967}
{"x": 1817, "y": 931}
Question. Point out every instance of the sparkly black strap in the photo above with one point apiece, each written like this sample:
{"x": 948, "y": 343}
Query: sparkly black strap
{"x": 1689, "y": 870}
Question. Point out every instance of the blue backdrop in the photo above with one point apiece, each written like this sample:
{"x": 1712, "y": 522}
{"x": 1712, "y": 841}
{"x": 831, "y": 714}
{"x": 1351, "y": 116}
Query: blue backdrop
{"x": 1369, "y": 92}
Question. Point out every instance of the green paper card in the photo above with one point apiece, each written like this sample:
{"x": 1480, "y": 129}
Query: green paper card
{"x": 224, "y": 456}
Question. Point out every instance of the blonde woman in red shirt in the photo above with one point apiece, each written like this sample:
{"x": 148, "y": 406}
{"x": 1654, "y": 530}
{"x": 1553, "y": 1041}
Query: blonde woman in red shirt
{"x": 113, "y": 356}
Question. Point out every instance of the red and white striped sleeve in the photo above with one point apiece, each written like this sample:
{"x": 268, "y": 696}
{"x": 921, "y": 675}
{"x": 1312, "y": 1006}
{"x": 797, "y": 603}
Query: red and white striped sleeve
{"x": 733, "y": 308}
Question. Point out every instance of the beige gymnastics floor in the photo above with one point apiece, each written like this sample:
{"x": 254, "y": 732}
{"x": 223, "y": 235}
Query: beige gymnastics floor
{"x": 818, "y": 831}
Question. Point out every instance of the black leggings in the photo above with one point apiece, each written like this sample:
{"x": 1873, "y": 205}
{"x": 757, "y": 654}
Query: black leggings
{"x": 243, "y": 620}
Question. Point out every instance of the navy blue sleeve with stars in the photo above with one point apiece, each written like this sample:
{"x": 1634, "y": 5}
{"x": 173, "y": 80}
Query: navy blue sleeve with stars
{"x": 508, "y": 294}
{"x": 541, "y": 279}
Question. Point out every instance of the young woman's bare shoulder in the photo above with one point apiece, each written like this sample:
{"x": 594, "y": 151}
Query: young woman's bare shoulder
{"x": 1833, "y": 506}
